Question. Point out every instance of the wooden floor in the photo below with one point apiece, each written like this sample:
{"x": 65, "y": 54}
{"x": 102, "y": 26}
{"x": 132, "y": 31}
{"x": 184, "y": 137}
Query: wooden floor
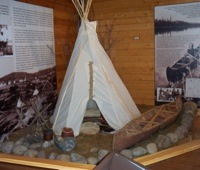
{"x": 187, "y": 161}
{"x": 6, "y": 166}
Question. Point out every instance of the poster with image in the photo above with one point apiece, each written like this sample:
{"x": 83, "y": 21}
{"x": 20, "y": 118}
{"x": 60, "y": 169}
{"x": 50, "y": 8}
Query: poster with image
{"x": 27, "y": 63}
{"x": 177, "y": 51}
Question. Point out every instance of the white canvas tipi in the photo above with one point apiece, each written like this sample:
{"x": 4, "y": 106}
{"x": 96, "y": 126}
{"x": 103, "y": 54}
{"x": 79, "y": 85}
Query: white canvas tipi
{"x": 91, "y": 75}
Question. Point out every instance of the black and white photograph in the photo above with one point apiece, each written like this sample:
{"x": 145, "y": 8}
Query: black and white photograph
{"x": 177, "y": 45}
{"x": 6, "y": 47}
{"x": 168, "y": 94}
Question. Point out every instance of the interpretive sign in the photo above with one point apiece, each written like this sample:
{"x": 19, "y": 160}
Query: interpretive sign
{"x": 177, "y": 50}
{"x": 27, "y": 62}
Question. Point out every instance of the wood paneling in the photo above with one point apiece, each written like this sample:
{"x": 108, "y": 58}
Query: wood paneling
{"x": 126, "y": 30}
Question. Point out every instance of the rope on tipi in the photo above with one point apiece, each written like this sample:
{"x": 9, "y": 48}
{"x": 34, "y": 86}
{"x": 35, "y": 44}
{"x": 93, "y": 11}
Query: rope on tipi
{"x": 83, "y": 10}
{"x": 91, "y": 80}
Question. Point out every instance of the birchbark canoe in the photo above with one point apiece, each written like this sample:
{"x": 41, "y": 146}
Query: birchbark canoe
{"x": 147, "y": 124}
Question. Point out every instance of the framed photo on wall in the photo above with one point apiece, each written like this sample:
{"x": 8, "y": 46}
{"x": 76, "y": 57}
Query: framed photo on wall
{"x": 177, "y": 52}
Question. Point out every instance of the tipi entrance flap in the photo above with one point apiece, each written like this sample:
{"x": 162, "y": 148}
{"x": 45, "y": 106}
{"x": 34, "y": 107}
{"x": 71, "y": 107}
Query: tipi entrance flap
{"x": 108, "y": 91}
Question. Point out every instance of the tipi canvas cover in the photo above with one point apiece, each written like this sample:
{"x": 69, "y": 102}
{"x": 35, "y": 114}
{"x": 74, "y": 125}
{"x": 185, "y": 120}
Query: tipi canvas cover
{"x": 91, "y": 75}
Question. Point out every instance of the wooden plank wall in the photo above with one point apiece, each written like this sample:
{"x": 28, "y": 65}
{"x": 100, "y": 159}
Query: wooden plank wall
{"x": 65, "y": 31}
{"x": 125, "y": 29}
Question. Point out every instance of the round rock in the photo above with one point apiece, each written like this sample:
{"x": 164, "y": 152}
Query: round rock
{"x": 187, "y": 125}
{"x": 30, "y": 153}
{"x": 52, "y": 156}
{"x": 19, "y": 141}
{"x": 46, "y": 144}
{"x": 89, "y": 128}
{"x": 163, "y": 142}
{"x": 152, "y": 148}
{"x": 181, "y": 132}
{"x": 26, "y": 144}
{"x": 102, "y": 153}
{"x": 7, "y": 146}
{"x": 19, "y": 149}
{"x": 186, "y": 119}
{"x": 35, "y": 145}
{"x": 63, "y": 157}
{"x": 127, "y": 153}
{"x": 77, "y": 158}
{"x": 41, "y": 154}
{"x": 139, "y": 151}
{"x": 173, "y": 137}
{"x": 92, "y": 160}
